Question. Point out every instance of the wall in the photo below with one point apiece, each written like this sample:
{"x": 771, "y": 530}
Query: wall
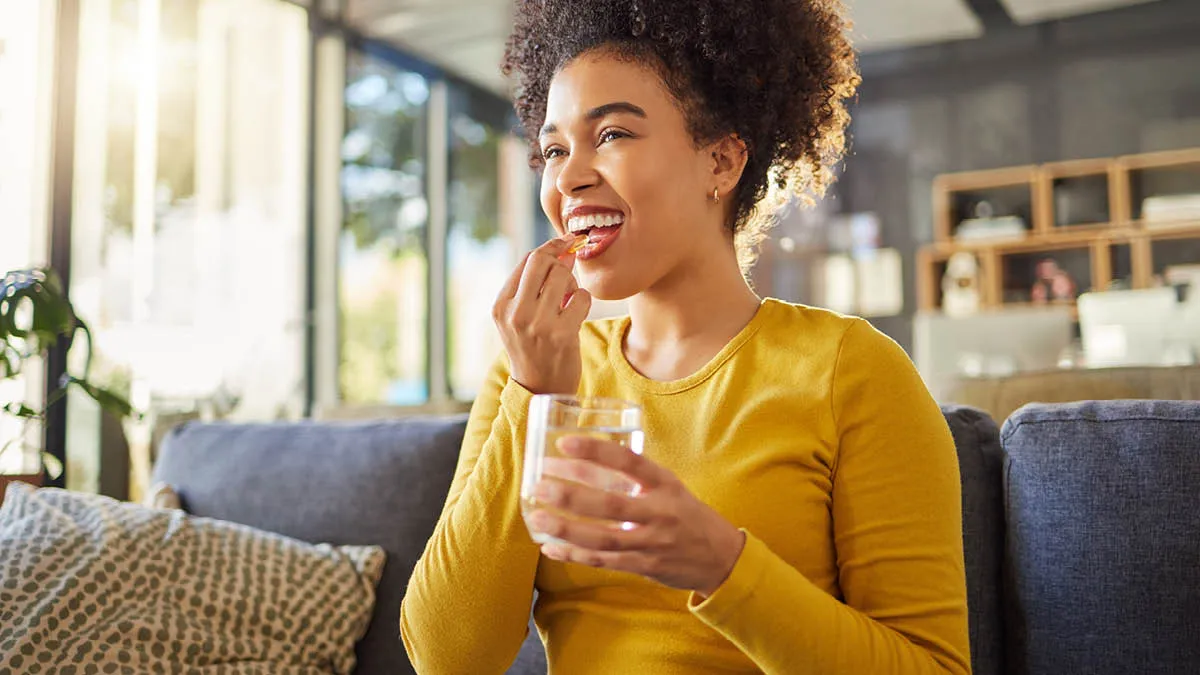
{"x": 1105, "y": 84}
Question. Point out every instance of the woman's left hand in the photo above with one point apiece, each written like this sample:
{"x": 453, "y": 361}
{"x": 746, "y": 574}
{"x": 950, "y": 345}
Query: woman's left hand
{"x": 674, "y": 539}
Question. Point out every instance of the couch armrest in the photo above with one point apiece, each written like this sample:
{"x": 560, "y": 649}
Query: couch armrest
{"x": 1103, "y": 537}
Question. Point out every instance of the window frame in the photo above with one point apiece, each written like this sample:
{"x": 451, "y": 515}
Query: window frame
{"x": 329, "y": 36}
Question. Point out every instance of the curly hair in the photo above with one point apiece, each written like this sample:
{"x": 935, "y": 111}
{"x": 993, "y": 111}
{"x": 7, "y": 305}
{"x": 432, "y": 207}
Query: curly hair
{"x": 777, "y": 73}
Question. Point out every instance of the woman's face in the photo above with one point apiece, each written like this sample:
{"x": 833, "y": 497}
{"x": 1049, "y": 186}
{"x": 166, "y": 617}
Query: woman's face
{"x": 621, "y": 165}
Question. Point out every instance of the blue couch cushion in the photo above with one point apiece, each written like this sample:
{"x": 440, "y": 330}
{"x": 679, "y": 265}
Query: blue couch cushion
{"x": 980, "y": 460}
{"x": 380, "y": 483}
{"x": 1103, "y": 542}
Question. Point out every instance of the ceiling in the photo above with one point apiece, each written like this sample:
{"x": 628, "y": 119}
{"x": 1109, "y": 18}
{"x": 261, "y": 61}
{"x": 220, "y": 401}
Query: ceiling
{"x": 466, "y": 37}
{"x": 1033, "y": 11}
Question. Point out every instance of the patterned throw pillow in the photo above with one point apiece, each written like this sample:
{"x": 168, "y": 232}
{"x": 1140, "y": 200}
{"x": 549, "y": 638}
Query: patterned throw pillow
{"x": 92, "y": 585}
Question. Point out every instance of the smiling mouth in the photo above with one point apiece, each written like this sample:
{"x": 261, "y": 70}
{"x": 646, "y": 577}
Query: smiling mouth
{"x": 585, "y": 224}
{"x": 600, "y": 230}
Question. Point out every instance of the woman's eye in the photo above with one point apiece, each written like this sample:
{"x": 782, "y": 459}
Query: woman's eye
{"x": 551, "y": 153}
{"x": 611, "y": 135}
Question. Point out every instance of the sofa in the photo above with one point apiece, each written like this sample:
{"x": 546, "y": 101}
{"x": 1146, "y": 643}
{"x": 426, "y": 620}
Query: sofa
{"x": 1081, "y": 523}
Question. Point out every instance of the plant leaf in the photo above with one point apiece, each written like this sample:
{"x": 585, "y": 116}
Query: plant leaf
{"x": 82, "y": 327}
{"x": 20, "y": 410}
{"x": 51, "y": 464}
{"x": 35, "y": 314}
{"x": 40, "y": 293}
{"x": 10, "y": 362}
{"x": 110, "y": 401}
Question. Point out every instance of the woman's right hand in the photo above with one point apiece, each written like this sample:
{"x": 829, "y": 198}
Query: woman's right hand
{"x": 539, "y": 313}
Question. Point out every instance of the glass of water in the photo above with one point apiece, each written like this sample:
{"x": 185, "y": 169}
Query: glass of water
{"x": 553, "y": 417}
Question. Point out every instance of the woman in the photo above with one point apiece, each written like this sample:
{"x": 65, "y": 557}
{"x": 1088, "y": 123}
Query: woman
{"x": 799, "y": 510}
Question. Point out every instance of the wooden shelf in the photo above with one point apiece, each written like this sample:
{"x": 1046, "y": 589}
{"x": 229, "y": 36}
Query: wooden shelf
{"x": 1086, "y": 228}
{"x": 1067, "y": 237}
{"x": 986, "y": 180}
{"x": 1048, "y": 243}
{"x": 946, "y": 185}
{"x": 1044, "y": 235}
{"x": 1079, "y": 168}
{"x": 1161, "y": 160}
{"x": 1184, "y": 229}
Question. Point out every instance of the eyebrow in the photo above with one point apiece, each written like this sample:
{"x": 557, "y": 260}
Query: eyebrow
{"x": 602, "y": 111}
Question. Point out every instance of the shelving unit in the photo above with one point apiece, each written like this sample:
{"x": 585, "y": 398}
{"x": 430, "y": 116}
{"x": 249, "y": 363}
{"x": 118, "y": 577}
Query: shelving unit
{"x": 1106, "y": 223}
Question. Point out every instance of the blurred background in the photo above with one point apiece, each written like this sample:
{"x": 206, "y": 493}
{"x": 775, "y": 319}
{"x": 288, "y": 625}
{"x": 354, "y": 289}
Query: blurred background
{"x": 271, "y": 209}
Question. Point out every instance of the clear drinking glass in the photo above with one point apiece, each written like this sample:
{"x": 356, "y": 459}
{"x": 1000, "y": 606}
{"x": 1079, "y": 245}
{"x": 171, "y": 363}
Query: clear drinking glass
{"x": 552, "y": 417}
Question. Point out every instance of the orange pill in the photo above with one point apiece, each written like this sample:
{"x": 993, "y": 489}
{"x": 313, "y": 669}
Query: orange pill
{"x": 578, "y": 244}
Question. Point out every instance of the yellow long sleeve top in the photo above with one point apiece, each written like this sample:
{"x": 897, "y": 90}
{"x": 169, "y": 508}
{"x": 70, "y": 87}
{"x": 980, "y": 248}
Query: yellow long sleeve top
{"x": 810, "y": 431}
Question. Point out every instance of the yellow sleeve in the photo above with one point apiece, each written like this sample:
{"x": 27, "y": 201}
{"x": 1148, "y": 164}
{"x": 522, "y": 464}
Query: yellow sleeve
{"x": 897, "y": 528}
{"x": 467, "y": 605}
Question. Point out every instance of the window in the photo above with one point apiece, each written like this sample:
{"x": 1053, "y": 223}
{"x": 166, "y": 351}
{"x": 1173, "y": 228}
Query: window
{"x": 480, "y": 245}
{"x": 26, "y": 49}
{"x": 383, "y": 278}
{"x": 189, "y": 219}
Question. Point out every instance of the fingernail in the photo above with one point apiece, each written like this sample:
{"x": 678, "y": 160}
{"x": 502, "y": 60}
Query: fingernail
{"x": 540, "y": 520}
{"x": 546, "y": 491}
{"x": 568, "y": 444}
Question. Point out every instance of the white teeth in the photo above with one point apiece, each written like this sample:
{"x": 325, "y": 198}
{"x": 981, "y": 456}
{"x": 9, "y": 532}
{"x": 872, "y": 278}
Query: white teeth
{"x": 580, "y": 223}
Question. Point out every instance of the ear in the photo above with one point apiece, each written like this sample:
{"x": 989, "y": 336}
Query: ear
{"x": 728, "y": 161}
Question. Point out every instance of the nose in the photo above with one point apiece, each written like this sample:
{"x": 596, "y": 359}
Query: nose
{"x": 577, "y": 173}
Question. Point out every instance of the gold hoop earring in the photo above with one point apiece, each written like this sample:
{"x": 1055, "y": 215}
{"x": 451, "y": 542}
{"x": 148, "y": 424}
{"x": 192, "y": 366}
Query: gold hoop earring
{"x": 717, "y": 195}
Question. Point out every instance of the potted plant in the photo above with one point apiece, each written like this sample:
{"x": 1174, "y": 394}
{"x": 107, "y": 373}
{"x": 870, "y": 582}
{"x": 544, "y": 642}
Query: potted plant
{"x": 34, "y": 314}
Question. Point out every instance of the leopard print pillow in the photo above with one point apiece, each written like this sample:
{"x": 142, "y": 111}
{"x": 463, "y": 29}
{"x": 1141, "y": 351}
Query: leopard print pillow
{"x": 92, "y": 585}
